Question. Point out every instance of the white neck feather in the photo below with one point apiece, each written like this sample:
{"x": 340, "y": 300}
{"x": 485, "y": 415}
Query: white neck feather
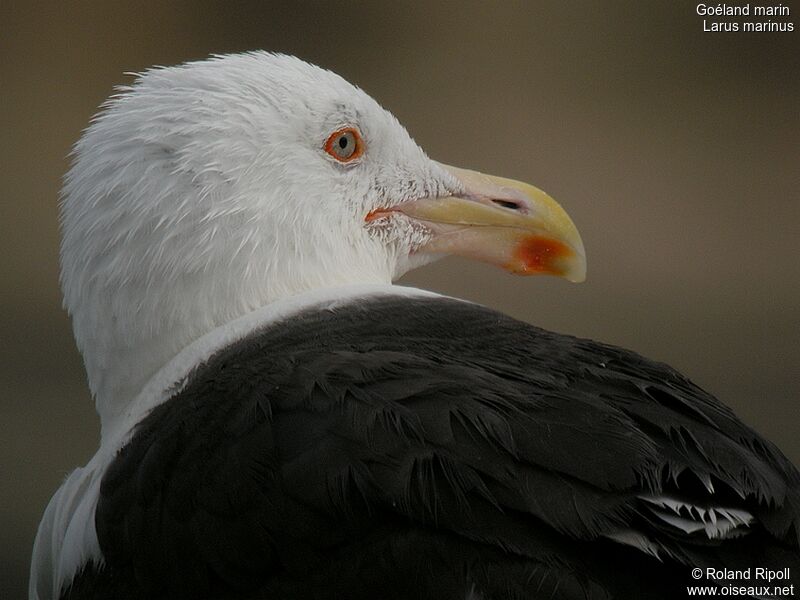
{"x": 126, "y": 337}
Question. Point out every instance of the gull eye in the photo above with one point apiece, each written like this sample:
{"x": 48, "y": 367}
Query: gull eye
{"x": 345, "y": 144}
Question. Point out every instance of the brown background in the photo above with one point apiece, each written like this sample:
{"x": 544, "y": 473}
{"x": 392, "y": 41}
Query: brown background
{"x": 675, "y": 151}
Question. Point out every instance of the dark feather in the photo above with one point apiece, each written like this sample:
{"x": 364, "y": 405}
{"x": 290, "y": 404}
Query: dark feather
{"x": 421, "y": 448}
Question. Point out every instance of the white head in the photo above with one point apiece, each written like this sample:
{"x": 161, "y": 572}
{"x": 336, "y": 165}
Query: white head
{"x": 207, "y": 190}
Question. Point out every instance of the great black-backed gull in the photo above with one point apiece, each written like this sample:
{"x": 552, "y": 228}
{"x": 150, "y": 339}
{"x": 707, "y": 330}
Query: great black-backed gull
{"x": 280, "y": 421}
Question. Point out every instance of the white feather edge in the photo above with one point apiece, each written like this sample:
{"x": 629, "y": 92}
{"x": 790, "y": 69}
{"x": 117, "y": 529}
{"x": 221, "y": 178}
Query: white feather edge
{"x": 717, "y": 522}
{"x": 67, "y": 539}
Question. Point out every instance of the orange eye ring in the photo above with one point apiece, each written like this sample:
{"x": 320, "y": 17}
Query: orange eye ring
{"x": 345, "y": 144}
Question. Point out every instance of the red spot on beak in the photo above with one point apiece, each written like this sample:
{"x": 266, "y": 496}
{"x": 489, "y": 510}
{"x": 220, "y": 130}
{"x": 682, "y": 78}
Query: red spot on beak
{"x": 376, "y": 214}
{"x": 537, "y": 254}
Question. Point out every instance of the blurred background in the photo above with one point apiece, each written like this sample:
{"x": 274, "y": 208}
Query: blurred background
{"x": 677, "y": 153}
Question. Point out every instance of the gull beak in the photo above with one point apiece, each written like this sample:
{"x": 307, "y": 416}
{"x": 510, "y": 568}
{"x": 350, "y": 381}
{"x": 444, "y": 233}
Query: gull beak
{"x": 507, "y": 223}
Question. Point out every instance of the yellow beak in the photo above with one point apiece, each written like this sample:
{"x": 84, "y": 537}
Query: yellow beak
{"x": 504, "y": 222}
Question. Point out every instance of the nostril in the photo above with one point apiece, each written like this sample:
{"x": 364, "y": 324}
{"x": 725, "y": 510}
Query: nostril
{"x": 509, "y": 204}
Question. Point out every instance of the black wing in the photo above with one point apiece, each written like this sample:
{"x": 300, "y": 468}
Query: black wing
{"x": 406, "y": 448}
